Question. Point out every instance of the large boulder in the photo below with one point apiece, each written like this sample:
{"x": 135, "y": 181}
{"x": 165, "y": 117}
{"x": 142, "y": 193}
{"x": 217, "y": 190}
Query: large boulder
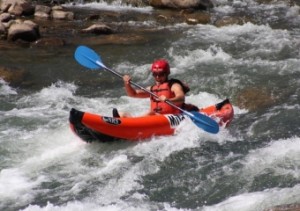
{"x": 25, "y": 31}
{"x": 182, "y": 4}
{"x": 42, "y": 11}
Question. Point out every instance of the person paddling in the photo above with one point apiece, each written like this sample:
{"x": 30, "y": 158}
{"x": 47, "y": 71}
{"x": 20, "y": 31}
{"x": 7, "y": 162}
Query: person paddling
{"x": 90, "y": 59}
{"x": 171, "y": 90}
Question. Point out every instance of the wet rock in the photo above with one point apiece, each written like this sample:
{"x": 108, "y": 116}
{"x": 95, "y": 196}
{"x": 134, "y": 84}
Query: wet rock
{"x": 127, "y": 39}
{"x": 17, "y": 7}
{"x": 264, "y": 1}
{"x": 62, "y": 15}
{"x": 197, "y": 18}
{"x": 226, "y": 21}
{"x": 26, "y": 31}
{"x": 32, "y": 24}
{"x": 49, "y": 42}
{"x": 42, "y": 8}
{"x": 93, "y": 17}
{"x": 5, "y": 17}
{"x": 169, "y": 17}
{"x": 255, "y": 98}
{"x": 14, "y": 76}
{"x": 57, "y": 7}
{"x": 287, "y": 207}
{"x": 10, "y": 22}
{"x": 98, "y": 29}
{"x": 2, "y": 28}
{"x": 6, "y": 4}
{"x": 137, "y": 3}
{"x": 42, "y": 11}
{"x": 179, "y": 4}
{"x": 294, "y": 2}
{"x": 2, "y": 31}
{"x": 42, "y": 15}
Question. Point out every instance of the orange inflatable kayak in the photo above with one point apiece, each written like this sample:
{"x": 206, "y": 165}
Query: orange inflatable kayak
{"x": 93, "y": 127}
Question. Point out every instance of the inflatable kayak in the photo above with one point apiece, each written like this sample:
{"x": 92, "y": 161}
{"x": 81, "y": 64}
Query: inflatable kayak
{"x": 93, "y": 127}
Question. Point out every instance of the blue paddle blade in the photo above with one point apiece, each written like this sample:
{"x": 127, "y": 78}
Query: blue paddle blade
{"x": 88, "y": 58}
{"x": 204, "y": 122}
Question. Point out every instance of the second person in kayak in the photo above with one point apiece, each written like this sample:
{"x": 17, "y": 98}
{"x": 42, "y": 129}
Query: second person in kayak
{"x": 166, "y": 89}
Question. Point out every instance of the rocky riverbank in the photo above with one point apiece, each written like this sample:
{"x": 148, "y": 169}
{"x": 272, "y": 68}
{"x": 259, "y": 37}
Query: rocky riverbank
{"x": 41, "y": 23}
{"x": 30, "y": 22}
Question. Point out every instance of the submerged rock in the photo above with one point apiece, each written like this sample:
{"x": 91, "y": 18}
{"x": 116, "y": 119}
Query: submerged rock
{"x": 254, "y": 98}
{"x": 226, "y": 21}
{"x": 197, "y": 18}
{"x": 127, "y": 39}
{"x": 13, "y": 76}
{"x": 179, "y": 4}
{"x": 287, "y": 207}
{"x": 49, "y": 42}
{"x": 98, "y": 29}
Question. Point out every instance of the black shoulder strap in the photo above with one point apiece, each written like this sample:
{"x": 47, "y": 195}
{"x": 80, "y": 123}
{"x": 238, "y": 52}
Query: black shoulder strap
{"x": 183, "y": 85}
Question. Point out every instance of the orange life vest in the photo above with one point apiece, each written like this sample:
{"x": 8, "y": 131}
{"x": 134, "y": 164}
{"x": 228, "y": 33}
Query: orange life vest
{"x": 165, "y": 89}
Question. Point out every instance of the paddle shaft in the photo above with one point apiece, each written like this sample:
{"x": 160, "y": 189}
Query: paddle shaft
{"x": 142, "y": 88}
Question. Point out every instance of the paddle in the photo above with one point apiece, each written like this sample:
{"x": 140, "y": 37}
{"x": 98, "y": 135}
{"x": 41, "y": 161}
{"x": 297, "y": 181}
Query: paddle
{"x": 90, "y": 59}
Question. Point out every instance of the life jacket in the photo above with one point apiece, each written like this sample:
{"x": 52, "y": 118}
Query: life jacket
{"x": 165, "y": 89}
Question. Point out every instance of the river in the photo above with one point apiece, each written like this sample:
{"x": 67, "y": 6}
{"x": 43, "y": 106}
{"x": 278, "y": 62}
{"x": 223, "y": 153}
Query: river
{"x": 250, "y": 166}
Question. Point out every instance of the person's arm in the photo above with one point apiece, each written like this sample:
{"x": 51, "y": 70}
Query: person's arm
{"x": 179, "y": 94}
{"x": 137, "y": 93}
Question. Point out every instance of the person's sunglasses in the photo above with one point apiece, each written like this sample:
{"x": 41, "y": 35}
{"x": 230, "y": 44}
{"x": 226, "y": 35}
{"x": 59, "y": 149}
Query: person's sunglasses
{"x": 158, "y": 74}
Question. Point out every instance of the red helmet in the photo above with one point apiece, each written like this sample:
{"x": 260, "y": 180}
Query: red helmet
{"x": 160, "y": 66}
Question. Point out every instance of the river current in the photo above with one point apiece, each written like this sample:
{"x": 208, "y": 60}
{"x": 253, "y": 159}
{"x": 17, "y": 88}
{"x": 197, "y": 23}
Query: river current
{"x": 250, "y": 166}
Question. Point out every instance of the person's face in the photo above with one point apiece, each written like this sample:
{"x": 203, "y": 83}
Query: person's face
{"x": 159, "y": 76}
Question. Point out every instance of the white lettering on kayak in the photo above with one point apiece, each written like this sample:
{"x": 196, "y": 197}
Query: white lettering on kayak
{"x": 111, "y": 120}
{"x": 175, "y": 120}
